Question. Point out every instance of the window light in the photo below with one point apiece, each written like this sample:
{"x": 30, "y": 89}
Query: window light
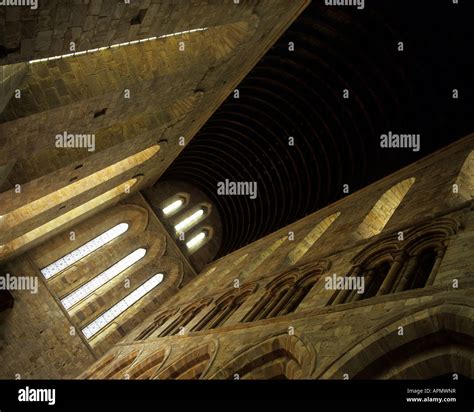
{"x": 115, "y": 311}
{"x": 113, "y": 46}
{"x": 100, "y": 280}
{"x": 84, "y": 250}
{"x": 196, "y": 240}
{"x": 173, "y": 207}
{"x": 189, "y": 221}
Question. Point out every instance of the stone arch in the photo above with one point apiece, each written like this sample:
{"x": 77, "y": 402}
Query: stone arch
{"x": 380, "y": 214}
{"x": 393, "y": 266}
{"x": 116, "y": 369}
{"x": 185, "y": 316}
{"x": 158, "y": 321}
{"x": 285, "y": 293}
{"x": 436, "y": 232}
{"x": 100, "y": 365}
{"x": 155, "y": 246}
{"x": 435, "y": 340}
{"x": 192, "y": 365}
{"x": 225, "y": 306}
{"x": 173, "y": 268}
{"x": 311, "y": 238}
{"x": 279, "y": 357}
{"x": 146, "y": 368}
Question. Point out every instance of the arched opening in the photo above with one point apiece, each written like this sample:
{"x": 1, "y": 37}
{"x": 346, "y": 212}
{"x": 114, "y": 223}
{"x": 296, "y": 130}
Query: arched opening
{"x": 159, "y": 321}
{"x": 440, "y": 353}
{"x": 180, "y": 324}
{"x": 117, "y": 368}
{"x": 225, "y": 307}
{"x": 148, "y": 367}
{"x": 84, "y": 250}
{"x": 282, "y": 357}
{"x": 190, "y": 366}
{"x": 425, "y": 263}
{"x": 122, "y": 306}
{"x": 375, "y": 281}
{"x": 436, "y": 341}
{"x": 99, "y": 366}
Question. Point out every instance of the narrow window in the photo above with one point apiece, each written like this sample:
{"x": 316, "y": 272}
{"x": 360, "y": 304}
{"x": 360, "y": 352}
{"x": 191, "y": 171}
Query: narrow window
{"x": 100, "y": 280}
{"x": 173, "y": 207}
{"x": 84, "y": 250}
{"x": 197, "y": 240}
{"x": 115, "y": 311}
{"x": 190, "y": 221}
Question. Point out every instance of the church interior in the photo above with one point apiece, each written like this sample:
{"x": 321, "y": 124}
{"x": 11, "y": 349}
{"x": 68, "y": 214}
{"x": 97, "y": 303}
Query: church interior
{"x": 341, "y": 245}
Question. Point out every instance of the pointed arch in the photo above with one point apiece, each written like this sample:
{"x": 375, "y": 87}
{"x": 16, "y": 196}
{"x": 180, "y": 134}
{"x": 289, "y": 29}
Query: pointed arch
{"x": 279, "y": 357}
{"x": 192, "y": 365}
{"x": 311, "y": 238}
{"x": 380, "y": 214}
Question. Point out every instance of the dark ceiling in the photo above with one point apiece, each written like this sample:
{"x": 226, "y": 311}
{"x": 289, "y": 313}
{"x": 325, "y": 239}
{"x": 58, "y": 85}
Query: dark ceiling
{"x": 337, "y": 141}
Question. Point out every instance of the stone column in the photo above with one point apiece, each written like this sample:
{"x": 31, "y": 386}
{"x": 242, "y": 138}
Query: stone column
{"x": 342, "y": 295}
{"x": 286, "y": 298}
{"x": 392, "y": 275}
{"x": 408, "y": 274}
{"x": 367, "y": 280}
{"x": 439, "y": 258}
{"x": 254, "y": 313}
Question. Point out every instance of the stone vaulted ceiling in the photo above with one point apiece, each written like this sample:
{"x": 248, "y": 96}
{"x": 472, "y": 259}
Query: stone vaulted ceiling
{"x": 300, "y": 94}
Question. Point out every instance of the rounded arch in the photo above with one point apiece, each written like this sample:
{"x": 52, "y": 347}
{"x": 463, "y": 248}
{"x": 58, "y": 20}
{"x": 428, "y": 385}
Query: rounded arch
{"x": 376, "y": 253}
{"x": 158, "y": 320}
{"x": 173, "y": 269}
{"x": 442, "y": 332}
{"x": 99, "y": 365}
{"x": 433, "y": 233}
{"x": 192, "y": 365}
{"x": 174, "y": 203}
{"x": 146, "y": 368}
{"x": 118, "y": 366}
{"x": 279, "y": 357}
